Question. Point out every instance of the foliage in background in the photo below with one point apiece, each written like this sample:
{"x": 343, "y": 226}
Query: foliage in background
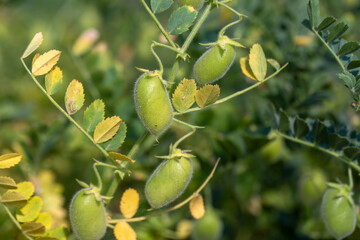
{"x": 257, "y": 194}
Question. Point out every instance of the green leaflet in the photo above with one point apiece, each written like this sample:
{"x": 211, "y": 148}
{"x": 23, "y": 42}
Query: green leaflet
{"x": 158, "y": 6}
{"x": 93, "y": 115}
{"x": 181, "y": 20}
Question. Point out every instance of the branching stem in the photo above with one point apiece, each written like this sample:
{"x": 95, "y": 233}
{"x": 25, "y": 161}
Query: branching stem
{"x": 158, "y": 24}
{"x": 13, "y": 219}
{"x": 102, "y": 150}
{"x": 236, "y": 93}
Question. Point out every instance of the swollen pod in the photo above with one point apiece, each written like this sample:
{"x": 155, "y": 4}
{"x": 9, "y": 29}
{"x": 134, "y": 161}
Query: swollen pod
{"x": 152, "y": 103}
{"x": 168, "y": 181}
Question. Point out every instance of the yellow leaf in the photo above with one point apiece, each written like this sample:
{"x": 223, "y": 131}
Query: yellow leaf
{"x": 74, "y": 97}
{"x": 197, "y": 208}
{"x": 184, "y": 95}
{"x": 120, "y": 157}
{"x": 45, "y": 62}
{"x": 257, "y": 62}
{"x": 245, "y": 68}
{"x": 13, "y": 199}
{"x": 36, "y": 56}
{"x": 207, "y": 95}
{"x": 10, "y": 159}
{"x": 106, "y": 129}
{"x": 85, "y": 41}
{"x": 33, "y": 45}
{"x": 129, "y": 203}
{"x": 33, "y": 229}
{"x": 26, "y": 188}
{"x": 30, "y": 211}
{"x": 53, "y": 80}
{"x": 7, "y": 183}
{"x": 46, "y": 219}
{"x": 123, "y": 231}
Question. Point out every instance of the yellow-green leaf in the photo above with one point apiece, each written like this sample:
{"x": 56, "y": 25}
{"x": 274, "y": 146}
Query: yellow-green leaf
{"x": 120, "y": 157}
{"x": 106, "y": 129}
{"x": 53, "y": 80}
{"x": 207, "y": 95}
{"x": 129, "y": 203}
{"x": 26, "y": 188}
{"x": 274, "y": 63}
{"x": 85, "y": 41}
{"x": 257, "y": 61}
{"x": 7, "y": 183}
{"x": 30, "y": 211}
{"x": 46, "y": 219}
{"x": 197, "y": 208}
{"x": 123, "y": 231}
{"x": 33, "y": 229}
{"x": 184, "y": 95}
{"x": 9, "y": 160}
{"x": 74, "y": 97}
{"x": 245, "y": 68}
{"x": 36, "y": 56}
{"x": 45, "y": 62}
{"x": 33, "y": 45}
{"x": 60, "y": 233}
{"x": 15, "y": 199}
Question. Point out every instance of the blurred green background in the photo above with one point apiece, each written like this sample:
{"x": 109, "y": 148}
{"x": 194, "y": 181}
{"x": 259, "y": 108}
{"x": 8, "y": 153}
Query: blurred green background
{"x": 264, "y": 188}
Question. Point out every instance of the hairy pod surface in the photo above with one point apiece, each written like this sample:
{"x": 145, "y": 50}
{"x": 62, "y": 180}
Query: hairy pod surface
{"x": 168, "y": 181}
{"x": 209, "y": 227}
{"x": 214, "y": 64}
{"x": 87, "y": 216}
{"x": 197, "y": 4}
{"x": 152, "y": 103}
{"x": 338, "y": 213}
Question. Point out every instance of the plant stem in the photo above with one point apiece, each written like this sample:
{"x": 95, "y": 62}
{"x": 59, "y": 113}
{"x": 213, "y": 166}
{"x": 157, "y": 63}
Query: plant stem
{"x": 161, "y": 68}
{"x": 331, "y": 153}
{"x": 231, "y": 9}
{"x": 331, "y": 51}
{"x": 177, "y": 206}
{"x": 188, "y": 41}
{"x": 236, "y": 93}
{"x": 135, "y": 148}
{"x": 196, "y": 28}
{"x": 166, "y": 35}
{"x": 102, "y": 150}
{"x": 13, "y": 219}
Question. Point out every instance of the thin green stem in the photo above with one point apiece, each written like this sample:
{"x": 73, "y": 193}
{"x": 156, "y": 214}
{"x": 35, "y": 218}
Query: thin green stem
{"x": 161, "y": 28}
{"x": 331, "y": 153}
{"x": 331, "y": 51}
{"x": 102, "y": 150}
{"x": 176, "y": 50}
{"x": 196, "y": 28}
{"x": 98, "y": 177}
{"x": 161, "y": 68}
{"x": 188, "y": 41}
{"x": 351, "y": 180}
{"x": 13, "y": 219}
{"x": 176, "y": 144}
{"x": 236, "y": 93}
{"x": 177, "y": 206}
{"x": 222, "y": 31}
{"x": 135, "y": 148}
{"x": 231, "y": 9}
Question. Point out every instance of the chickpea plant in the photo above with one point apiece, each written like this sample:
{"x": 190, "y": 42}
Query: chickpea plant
{"x": 157, "y": 109}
